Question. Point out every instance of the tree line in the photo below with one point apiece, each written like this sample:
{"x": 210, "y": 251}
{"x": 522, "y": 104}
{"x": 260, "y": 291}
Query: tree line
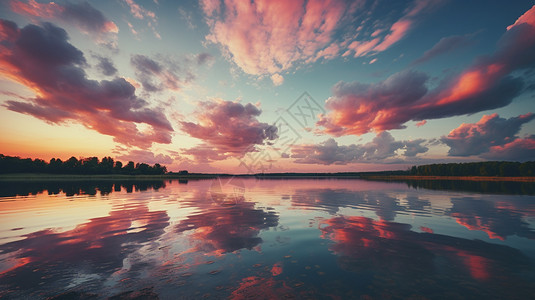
{"x": 89, "y": 166}
{"x": 487, "y": 168}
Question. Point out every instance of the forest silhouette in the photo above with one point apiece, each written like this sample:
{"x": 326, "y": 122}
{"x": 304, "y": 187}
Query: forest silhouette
{"x": 83, "y": 166}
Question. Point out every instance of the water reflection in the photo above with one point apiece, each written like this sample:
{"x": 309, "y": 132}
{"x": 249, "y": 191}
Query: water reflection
{"x": 48, "y": 261}
{"x": 385, "y": 206}
{"x": 293, "y": 239}
{"x": 494, "y": 218}
{"x": 226, "y": 229}
{"x": 394, "y": 252}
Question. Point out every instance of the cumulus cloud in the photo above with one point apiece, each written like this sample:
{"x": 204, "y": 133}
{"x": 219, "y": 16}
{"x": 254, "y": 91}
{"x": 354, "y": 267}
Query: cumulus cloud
{"x": 490, "y": 134}
{"x": 227, "y": 129}
{"x": 381, "y": 149}
{"x": 445, "y": 45}
{"x": 268, "y": 37}
{"x": 489, "y": 83}
{"x": 42, "y": 59}
{"x": 84, "y": 16}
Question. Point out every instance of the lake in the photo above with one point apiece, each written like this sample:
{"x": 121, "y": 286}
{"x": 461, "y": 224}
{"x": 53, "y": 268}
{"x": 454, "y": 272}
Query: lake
{"x": 234, "y": 238}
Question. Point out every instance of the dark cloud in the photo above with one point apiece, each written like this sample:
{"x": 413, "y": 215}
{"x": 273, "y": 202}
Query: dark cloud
{"x": 204, "y": 58}
{"x": 490, "y": 134}
{"x": 87, "y": 17}
{"x": 445, "y": 45}
{"x": 106, "y": 66}
{"x": 228, "y": 129}
{"x": 41, "y": 58}
{"x": 81, "y": 14}
{"x": 490, "y": 82}
{"x": 157, "y": 76}
{"x": 382, "y": 148}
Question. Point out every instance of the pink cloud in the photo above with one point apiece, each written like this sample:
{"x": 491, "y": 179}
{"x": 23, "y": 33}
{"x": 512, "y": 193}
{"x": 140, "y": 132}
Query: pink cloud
{"x": 268, "y": 37}
{"x": 490, "y": 82}
{"x": 42, "y": 59}
{"x": 490, "y": 134}
{"x": 145, "y": 156}
{"x": 141, "y": 13}
{"x": 421, "y": 123}
{"x": 84, "y": 16}
{"x": 528, "y": 18}
{"x": 227, "y": 129}
{"x": 517, "y": 150}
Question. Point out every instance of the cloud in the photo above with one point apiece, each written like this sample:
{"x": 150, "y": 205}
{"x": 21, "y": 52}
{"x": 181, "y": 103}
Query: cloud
{"x": 517, "y": 150}
{"x": 277, "y": 79}
{"x": 145, "y": 156}
{"x": 143, "y": 14}
{"x": 445, "y": 45}
{"x": 84, "y": 16}
{"x": 155, "y": 76}
{"x": 42, "y": 59}
{"x": 204, "y": 58}
{"x": 106, "y": 66}
{"x": 491, "y": 132}
{"x": 227, "y": 129}
{"x": 268, "y": 37}
{"x": 381, "y": 149}
{"x": 489, "y": 83}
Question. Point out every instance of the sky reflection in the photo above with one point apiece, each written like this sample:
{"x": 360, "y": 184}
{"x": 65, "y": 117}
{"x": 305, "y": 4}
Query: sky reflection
{"x": 297, "y": 238}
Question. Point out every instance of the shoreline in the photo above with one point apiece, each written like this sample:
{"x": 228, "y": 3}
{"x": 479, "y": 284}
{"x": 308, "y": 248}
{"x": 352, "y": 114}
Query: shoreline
{"x": 449, "y": 178}
{"x": 193, "y": 176}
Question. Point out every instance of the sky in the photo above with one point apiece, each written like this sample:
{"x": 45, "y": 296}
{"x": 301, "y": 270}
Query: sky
{"x": 269, "y": 86}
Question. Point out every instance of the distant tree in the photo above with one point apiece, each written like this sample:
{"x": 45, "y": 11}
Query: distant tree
{"x": 106, "y": 165}
{"x": 129, "y": 168}
{"x": 118, "y": 167}
{"x": 88, "y": 165}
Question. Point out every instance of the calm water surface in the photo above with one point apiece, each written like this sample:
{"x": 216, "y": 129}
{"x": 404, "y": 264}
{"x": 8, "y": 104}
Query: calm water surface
{"x": 266, "y": 239}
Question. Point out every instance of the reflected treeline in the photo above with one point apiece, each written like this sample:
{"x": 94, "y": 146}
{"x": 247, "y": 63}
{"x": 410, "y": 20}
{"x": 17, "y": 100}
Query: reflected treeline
{"x": 485, "y": 187}
{"x": 76, "y": 187}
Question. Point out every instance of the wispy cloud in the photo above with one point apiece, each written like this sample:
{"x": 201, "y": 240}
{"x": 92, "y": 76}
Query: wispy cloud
{"x": 141, "y": 13}
{"x": 445, "y": 45}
